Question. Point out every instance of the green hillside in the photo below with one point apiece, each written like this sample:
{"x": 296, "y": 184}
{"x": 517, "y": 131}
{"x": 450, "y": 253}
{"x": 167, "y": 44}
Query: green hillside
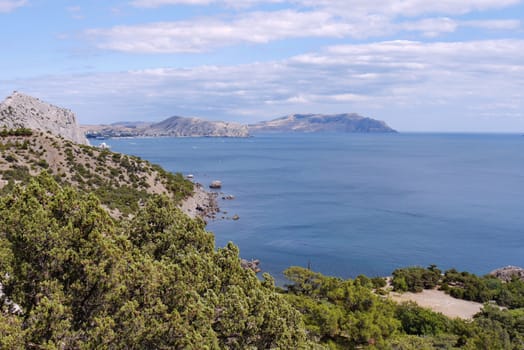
{"x": 96, "y": 254}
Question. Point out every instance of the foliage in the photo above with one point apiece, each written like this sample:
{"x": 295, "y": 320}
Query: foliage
{"x": 341, "y": 313}
{"x": 84, "y": 280}
{"x": 464, "y": 285}
{"x": 420, "y": 321}
{"x": 156, "y": 281}
{"x": 415, "y": 279}
{"x": 15, "y": 132}
{"x": 461, "y": 285}
{"x": 121, "y": 182}
{"x": 124, "y": 198}
{"x": 175, "y": 183}
{"x": 345, "y": 314}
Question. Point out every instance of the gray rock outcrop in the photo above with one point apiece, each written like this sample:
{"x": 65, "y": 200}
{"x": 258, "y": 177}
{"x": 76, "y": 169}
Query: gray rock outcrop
{"x": 508, "y": 272}
{"x": 23, "y": 111}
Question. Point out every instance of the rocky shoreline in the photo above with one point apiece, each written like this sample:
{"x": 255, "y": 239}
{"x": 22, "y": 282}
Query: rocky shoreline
{"x": 202, "y": 204}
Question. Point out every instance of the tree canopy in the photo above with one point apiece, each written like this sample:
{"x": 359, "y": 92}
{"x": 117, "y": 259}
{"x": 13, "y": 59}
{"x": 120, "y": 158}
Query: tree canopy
{"x": 84, "y": 280}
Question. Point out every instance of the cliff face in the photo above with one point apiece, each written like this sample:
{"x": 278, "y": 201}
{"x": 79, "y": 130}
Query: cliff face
{"x": 23, "y": 111}
{"x": 322, "y": 123}
{"x": 179, "y": 126}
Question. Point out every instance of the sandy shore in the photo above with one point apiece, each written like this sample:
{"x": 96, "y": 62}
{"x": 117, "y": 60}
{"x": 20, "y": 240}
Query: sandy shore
{"x": 202, "y": 203}
{"x": 439, "y": 301}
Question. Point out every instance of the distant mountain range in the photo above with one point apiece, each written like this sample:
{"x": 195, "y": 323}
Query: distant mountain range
{"x": 194, "y": 127}
{"x": 174, "y": 126}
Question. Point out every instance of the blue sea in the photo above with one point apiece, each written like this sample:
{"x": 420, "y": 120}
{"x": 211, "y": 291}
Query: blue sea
{"x": 350, "y": 204}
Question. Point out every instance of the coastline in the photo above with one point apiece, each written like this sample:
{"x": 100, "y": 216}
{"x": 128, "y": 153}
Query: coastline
{"x": 201, "y": 204}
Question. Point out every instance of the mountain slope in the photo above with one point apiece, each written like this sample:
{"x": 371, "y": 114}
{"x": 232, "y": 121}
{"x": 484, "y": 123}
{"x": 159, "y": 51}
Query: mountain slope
{"x": 121, "y": 182}
{"x": 322, "y": 123}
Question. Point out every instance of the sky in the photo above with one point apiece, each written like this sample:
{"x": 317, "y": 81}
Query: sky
{"x": 419, "y": 65}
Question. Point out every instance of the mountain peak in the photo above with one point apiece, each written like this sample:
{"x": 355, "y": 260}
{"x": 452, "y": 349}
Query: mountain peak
{"x": 19, "y": 110}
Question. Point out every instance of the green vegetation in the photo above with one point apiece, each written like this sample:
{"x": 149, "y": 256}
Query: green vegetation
{"x": 415, "y": 279}
{"x": 16, "y": 132}
{"x": 461, "y": 285}
{"x": 86, "y": 281}
{"x": 121, "y": 182}
{"x": 347, "y": 314}
{"x": 341, "y": 314}
{"x": 464, "y": 285}
{"x": 125, "y": 198}
{"x": 152, "y": 278}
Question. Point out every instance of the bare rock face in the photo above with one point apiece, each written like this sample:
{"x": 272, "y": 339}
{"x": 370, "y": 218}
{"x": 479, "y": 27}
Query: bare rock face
{"x": 508, "y": 272}
{"x": 23, "y": 111}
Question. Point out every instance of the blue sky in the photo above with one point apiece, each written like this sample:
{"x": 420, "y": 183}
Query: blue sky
{"x": 448, "y": 65}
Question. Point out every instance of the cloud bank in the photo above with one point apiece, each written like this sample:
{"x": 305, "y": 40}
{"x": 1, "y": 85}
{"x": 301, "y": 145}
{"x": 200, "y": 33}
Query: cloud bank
{"x": 383, "y": 79}
{"x": 336, "y": 19}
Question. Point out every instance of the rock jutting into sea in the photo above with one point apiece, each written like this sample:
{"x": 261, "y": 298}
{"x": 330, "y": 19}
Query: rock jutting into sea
{"x": 201, "y": 204}
{"x": 216, "y": 184}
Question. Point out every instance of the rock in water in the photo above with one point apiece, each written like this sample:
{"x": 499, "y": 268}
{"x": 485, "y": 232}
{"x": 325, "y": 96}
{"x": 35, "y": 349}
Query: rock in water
{"x": 23, "y": 111}
{"x": 216, "y": 184}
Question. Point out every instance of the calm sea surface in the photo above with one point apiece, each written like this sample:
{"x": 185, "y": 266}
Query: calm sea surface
{"x": 360, "y": 204}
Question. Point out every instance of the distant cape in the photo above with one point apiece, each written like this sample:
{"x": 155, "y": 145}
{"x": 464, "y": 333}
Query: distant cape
{"x": 309, "y": 123}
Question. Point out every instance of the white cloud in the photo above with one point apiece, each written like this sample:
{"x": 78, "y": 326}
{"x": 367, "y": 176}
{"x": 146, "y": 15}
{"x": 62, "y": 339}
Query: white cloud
{"x": 431, "y": 27}
{"x": 230, "y": 3}
{"x": 345, "y": 7}
{"x": 158, "y": 3}
{"x": 408, "y": 83}
{"x": 206, "y": 34}
{"x": 493, "y": 24}
{"x": 407, "y": 7}
{"x": 10, "y": 5}
{"x": 300, "y": 19}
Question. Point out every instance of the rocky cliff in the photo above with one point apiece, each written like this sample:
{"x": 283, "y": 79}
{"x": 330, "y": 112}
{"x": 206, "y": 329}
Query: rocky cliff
{"x": 322, "y": 123}
{"x": 23, "y": 111}
{"x": 507, "y": 273}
